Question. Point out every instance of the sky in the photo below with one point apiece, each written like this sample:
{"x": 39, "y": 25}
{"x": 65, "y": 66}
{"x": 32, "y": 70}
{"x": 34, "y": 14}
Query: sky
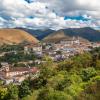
{"x": 50, "y": 14}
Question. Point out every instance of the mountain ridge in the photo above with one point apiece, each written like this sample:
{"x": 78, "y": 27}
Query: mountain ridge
{"x": 11, "y": 36}
{"x": 39, "y": 34}
{"x": 56, "y": 37}
{"x": 86, "y": 33}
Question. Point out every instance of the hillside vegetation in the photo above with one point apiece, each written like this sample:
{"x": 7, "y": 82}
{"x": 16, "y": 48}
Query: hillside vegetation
{"x": 77, "y": 78}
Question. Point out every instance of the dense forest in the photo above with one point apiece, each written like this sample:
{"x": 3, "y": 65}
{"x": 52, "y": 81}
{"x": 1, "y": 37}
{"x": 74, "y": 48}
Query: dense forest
{"x": 77, "y": 78}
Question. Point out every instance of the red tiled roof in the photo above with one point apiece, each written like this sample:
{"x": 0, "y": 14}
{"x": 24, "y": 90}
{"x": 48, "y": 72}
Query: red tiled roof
{"x": 34, "y": 69}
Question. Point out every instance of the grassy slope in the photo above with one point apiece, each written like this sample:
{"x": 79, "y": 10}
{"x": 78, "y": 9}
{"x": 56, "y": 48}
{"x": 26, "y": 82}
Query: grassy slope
{"x": 9, "y": 36}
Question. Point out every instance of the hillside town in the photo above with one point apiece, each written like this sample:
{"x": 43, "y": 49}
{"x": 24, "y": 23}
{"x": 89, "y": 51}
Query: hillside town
{"x": 62, "y": 49}
{"x": 49, "y": 50}
{"x": 59, "y": 51}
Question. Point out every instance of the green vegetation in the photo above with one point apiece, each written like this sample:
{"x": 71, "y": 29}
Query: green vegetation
{"x": 15, "y": 54}
{"x": 7, "y": 48}
{"x": 24, "y": 89}
{"x": 19, "y": 57}
{"x": 77, "y": 78}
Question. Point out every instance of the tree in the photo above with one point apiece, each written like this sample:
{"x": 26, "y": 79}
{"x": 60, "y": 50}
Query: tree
{"x": 45, "y": 73}
{"x": 88, "y": 73}
{"x": 59, "y": 81}
{"x": 83, "y": 60}
{"x": 38, "y": 83}
{"x": 98, "y": 64}
{"x": 12, "y": 92}
{"x": 3, "y": 93}
{"x": 91, "y": 91}
{"x": 50, "y": 94}
{"x": 48, "y": 61}
{"x": 24, "y": 89}
{"x": 65, "y": 65}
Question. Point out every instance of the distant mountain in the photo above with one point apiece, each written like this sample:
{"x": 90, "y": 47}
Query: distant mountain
{"x": 86, "y": 33}
{"x": 56, "y": 36}
{"x": 39, "y": 34}
{"x": 10, "y": 36}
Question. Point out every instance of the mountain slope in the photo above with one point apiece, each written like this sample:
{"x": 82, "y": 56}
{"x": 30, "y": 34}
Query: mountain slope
{"x": 56, "y": 36}
{"x": 39, "y": 34}
{"x": 86, "y": 33}
{"x": 10, "y": 36}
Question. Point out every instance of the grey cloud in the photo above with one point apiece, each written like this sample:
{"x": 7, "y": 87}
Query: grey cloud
{"x": 48, "y": 14}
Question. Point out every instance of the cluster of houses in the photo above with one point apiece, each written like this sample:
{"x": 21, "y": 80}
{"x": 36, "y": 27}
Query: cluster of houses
{"x": 62, "y": 49}
{"x": 57, "y": 51}
{"x": 33, "y": 48}
{"x": 16, "y": 75}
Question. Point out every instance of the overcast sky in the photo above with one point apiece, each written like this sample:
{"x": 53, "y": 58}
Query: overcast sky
{"x": 49, "y": 14}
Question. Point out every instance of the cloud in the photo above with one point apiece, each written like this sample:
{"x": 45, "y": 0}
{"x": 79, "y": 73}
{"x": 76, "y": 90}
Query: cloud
{"x": 75, "y": 7}
{"x": 41, "y": 14}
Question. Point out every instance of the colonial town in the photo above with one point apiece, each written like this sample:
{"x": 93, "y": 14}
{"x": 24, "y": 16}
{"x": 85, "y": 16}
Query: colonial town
{"x": 58, "y": 51}
{"x": 49, "y": 49}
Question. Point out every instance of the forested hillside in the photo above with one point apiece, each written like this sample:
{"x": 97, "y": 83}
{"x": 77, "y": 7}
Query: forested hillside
{"x": 77, "y": 78}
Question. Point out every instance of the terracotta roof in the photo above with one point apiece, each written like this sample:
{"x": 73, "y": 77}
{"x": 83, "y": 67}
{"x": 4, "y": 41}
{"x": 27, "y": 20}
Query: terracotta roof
{"x": 19, "y": 69}
{"x": 34, "y": 69}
